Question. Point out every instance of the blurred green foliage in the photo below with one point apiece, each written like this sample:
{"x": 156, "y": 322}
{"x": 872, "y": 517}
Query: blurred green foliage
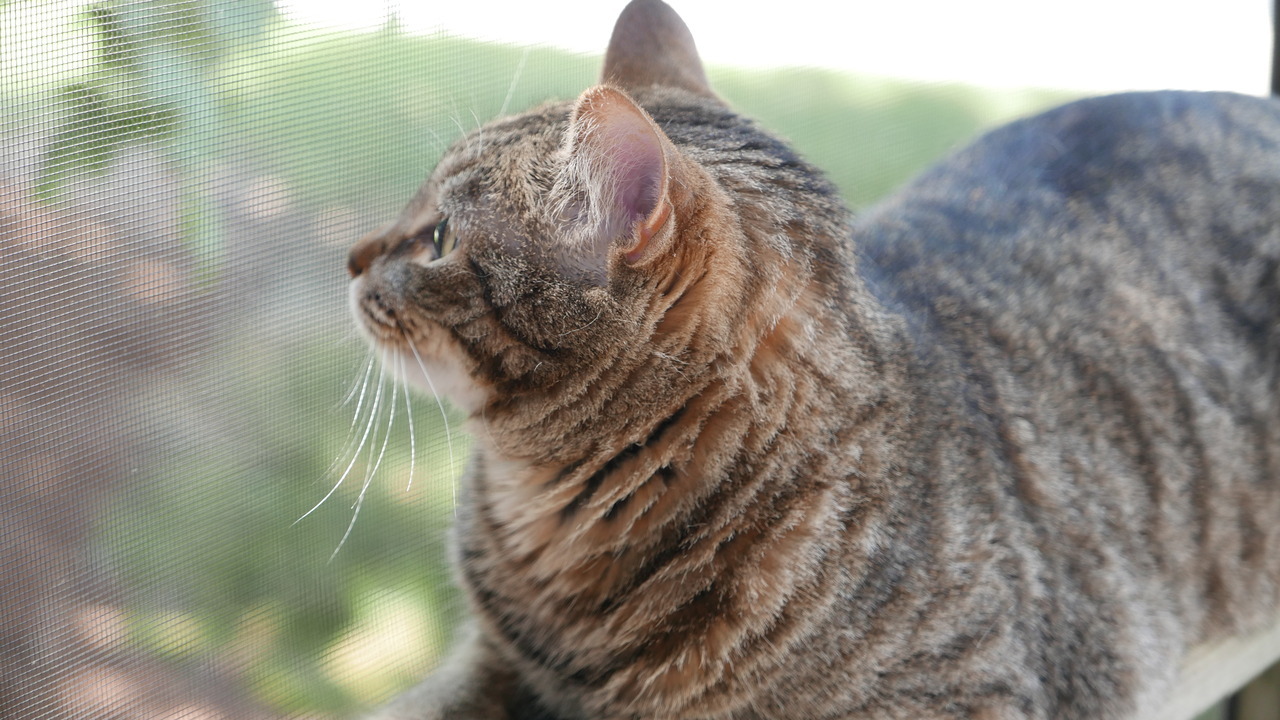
{"x": 220, "y": 554}
{"x": 871, "y": 134}
{"x": 362, "y": 117}
{"x": 96, "y": 123}
{"x": 149, "y": 80}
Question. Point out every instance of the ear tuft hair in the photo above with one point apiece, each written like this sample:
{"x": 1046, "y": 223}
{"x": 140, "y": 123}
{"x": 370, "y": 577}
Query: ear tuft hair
{"x": 614, "y": 187}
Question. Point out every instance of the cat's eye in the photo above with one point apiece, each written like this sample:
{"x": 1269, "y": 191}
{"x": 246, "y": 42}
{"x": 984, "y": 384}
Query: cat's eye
{"x": 443, "y": 238}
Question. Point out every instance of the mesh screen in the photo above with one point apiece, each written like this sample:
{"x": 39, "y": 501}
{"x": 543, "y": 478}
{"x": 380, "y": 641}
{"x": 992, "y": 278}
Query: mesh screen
{"x": 214, "y": 503}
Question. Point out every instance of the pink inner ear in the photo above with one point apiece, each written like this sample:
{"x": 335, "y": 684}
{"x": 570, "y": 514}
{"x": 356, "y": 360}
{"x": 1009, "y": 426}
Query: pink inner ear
{"x": 617, "y": 160}
{"x": 637, "y": 168}
{"x": 626, "y": 152}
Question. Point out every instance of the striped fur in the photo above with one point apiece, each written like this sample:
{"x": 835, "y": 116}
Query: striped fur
{"x": 1005, "y": 447}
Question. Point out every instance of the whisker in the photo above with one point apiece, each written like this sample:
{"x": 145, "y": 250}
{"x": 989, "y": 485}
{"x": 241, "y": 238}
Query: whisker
{"x": 479, "y": 127}
{"x": 363, "y": 387}
{"x": 355, "y": 510}
{"x": 583, "y": 327}
{"x": 441, "y": 145}
{"x": 386, "y": 439}
{"x": 373, "y": 470}
{"x": 408, "y": 413}
{"x": 373, "y": 411}
{"x": 524, "y": 56}
{"x": 361, "y": 383}
{"x": 355, "y": 513}
{"x": 448, "y": 436}
{"x": 461, "y": 130}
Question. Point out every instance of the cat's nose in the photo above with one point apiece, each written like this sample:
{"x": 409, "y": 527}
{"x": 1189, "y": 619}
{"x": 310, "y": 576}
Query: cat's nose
{"x": 361, "y": 255}
{"x": 365, "y": 251}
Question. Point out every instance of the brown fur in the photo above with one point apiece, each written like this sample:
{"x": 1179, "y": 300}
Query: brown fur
{"x": 1011, "y": 452}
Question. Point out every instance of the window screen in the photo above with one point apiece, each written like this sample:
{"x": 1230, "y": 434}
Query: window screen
{"x": 214, "y": 502}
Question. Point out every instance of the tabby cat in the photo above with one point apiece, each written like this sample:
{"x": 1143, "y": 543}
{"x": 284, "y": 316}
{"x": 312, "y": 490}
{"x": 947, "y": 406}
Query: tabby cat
{"x": 1006, "y": 446}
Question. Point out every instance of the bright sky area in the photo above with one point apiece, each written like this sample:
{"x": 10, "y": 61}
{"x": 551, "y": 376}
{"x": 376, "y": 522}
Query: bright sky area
{"x": 1099, "y": 45}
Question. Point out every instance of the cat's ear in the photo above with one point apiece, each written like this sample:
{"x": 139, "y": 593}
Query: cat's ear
{"x": 617, "y": 176}
{"x": 651, "y": 45}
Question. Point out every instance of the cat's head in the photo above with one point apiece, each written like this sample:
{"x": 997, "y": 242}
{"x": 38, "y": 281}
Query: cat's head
{"x": 582, "y": 251}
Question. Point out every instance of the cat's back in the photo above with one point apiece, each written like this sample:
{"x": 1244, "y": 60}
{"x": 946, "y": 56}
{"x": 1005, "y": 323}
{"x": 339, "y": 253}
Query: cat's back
{"x": 1101, "y": 286}
{"x": 1141, "y": 219}
{"x": 1139, "y": 181}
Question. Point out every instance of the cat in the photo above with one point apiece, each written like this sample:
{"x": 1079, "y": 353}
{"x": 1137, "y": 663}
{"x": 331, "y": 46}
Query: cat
{"x": 1007, "y": 445}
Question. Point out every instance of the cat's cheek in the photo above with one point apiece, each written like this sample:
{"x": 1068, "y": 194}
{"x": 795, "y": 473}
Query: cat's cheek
{"x": 435, "y": 368}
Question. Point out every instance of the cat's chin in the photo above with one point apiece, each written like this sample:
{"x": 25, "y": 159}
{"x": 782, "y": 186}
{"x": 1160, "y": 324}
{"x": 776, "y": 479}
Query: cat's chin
{"x": 437, "y": 374}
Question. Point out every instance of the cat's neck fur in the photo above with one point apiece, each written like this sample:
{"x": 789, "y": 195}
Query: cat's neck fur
{"x": 783, "y": 348}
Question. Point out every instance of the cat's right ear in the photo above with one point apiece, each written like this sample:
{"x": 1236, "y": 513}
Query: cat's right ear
{"x": 614, "y": 189}
{"x": 650, "y": 46}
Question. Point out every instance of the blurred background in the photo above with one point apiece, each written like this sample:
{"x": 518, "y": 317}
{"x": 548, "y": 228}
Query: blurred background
{"x": 212, "y": 504}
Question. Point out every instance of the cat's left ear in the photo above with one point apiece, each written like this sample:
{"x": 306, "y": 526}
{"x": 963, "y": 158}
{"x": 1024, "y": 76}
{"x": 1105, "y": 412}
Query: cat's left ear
{"x": 618, "y": 175}
{"x": 651, "y": 45}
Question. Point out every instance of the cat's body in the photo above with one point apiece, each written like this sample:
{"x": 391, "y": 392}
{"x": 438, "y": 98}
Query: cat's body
{"x": 1008, "y": 446}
